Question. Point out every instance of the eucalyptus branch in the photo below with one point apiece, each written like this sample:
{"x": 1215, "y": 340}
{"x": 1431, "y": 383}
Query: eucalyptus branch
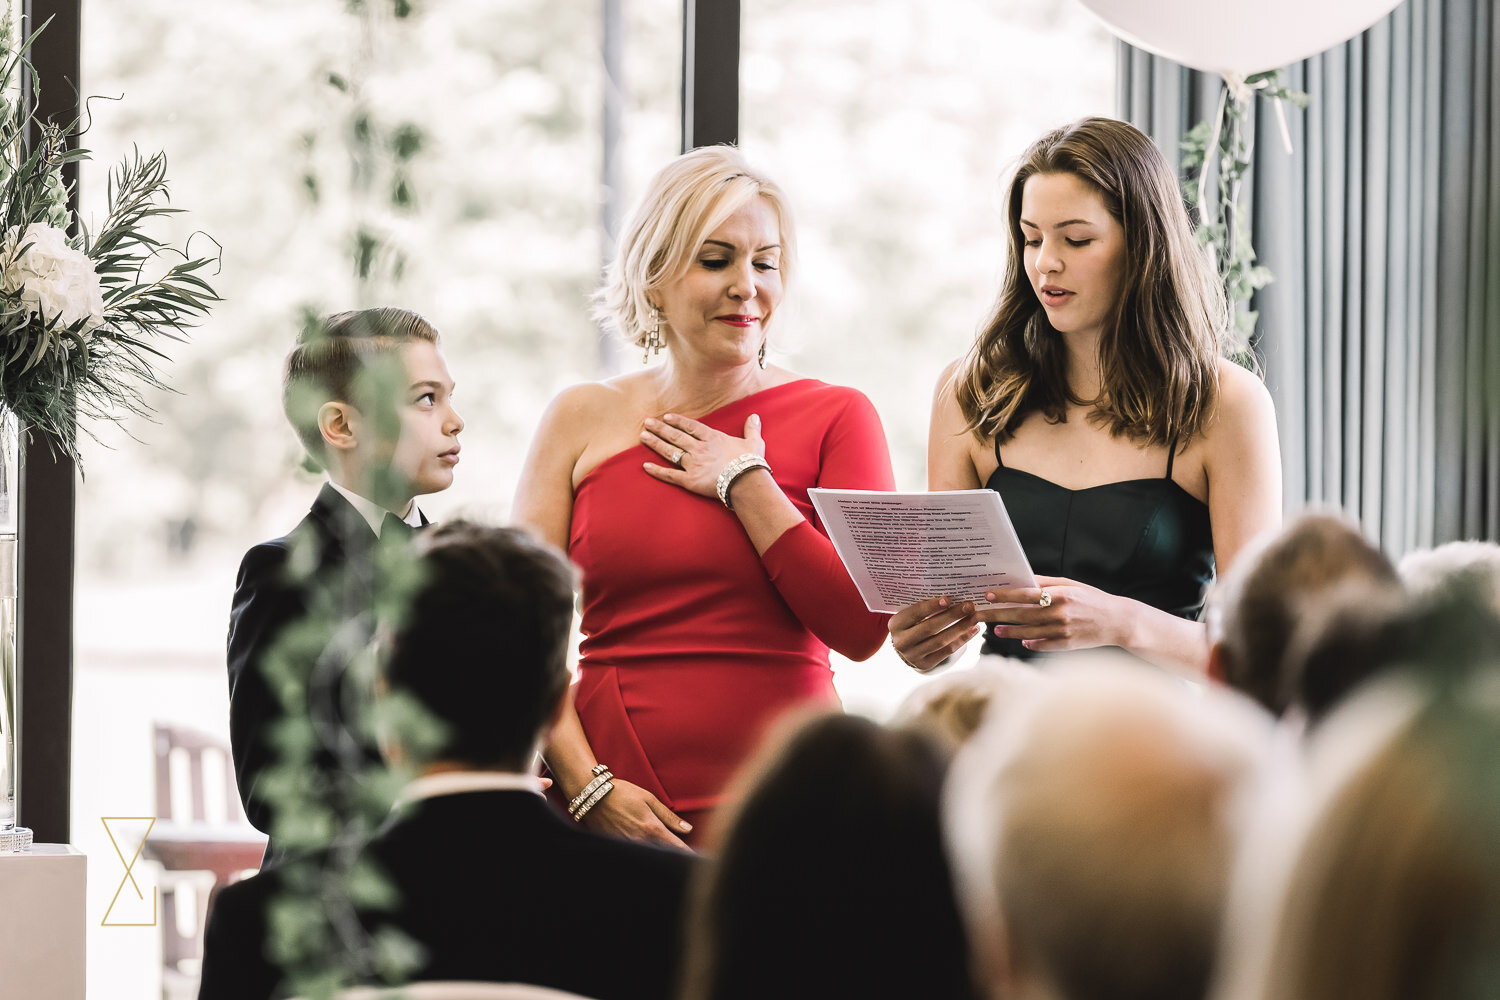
{"x": 1226, "y": 143}
{"x": 317, "y": 935}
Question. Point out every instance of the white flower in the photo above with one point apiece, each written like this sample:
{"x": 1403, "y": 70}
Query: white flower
{"x": 56, "y": 282}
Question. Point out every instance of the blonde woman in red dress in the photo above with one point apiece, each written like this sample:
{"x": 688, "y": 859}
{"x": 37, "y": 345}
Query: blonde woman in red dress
{"x": 711, "y": 594}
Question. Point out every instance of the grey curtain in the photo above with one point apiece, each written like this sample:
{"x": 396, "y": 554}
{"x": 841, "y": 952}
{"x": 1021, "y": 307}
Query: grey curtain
{"x": 1380, "y": 335}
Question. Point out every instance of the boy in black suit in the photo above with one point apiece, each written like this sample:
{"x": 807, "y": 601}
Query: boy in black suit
{"x": 370, "y": 397}
{"x": 493, "y": 884}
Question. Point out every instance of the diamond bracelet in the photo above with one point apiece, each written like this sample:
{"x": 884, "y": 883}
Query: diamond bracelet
{"x": 735, "y": 470}
{"x": 594, "y": 799}
{"x": 601, "y": 774}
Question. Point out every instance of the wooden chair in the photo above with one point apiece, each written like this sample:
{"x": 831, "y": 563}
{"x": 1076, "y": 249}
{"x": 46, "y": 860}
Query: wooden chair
{"x": 223, "y": 844}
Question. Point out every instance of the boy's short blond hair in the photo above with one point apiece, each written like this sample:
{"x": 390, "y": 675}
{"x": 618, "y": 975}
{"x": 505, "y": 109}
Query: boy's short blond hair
{"x": 330, "y": 356}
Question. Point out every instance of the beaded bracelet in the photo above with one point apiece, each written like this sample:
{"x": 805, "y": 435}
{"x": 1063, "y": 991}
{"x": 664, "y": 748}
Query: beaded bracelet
{"x": 735, "y": 470}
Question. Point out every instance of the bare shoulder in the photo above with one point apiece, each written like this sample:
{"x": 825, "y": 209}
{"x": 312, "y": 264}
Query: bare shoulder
{"x": 583, "y": 405}
{"x": 1244, "y": 405}
{"x": 956, "y": 458}
{"x": 1242, "y": 430}
{"x": 945, "y": 409}
{"x": 948, "y": 381}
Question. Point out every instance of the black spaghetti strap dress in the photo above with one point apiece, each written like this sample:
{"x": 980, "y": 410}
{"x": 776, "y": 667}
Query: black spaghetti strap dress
{"x": 1147, "y": 539}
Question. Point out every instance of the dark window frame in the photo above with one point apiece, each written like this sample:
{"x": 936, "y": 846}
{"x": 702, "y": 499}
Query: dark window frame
{"x": 710, "y": 72}
{"x": 44, "y": 563}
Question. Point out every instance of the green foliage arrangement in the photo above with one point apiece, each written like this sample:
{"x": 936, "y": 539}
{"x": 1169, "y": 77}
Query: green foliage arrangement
{"x": 79, "y": 316}
{"x": 1226, "y": 143}
{"x": 324, "y": 815}
{"x": 317, "y": 921}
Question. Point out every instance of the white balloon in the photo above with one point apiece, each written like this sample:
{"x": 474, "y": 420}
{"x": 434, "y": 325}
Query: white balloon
{"x": 1238, "y": 37}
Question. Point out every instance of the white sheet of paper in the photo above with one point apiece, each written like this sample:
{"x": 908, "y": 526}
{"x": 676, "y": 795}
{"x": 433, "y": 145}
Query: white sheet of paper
{"x": 901, "y": 548}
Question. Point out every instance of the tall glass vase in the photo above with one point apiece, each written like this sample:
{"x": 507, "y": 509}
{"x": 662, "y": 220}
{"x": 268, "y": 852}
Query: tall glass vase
{"x": 9, "y": 496}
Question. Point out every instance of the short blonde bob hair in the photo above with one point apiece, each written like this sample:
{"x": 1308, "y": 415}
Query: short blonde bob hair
{"x": 685, "y": 201}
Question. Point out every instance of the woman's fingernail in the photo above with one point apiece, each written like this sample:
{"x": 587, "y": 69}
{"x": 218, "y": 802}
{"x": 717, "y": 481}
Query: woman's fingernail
{"x": 989, "y": 597}
{"x": 942, "y": 602}
{"x": 685, "y": 825}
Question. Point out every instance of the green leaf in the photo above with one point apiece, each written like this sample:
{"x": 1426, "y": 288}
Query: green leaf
{"x": 407, "y": 141}
{"x": 370, "y": 888}
{"x": 396, "y": 955}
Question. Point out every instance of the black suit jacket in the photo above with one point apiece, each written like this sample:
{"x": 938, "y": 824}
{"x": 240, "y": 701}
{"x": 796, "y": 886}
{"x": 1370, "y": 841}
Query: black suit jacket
{"x": 324, "y": 565}
{"x": 496, "y": 887}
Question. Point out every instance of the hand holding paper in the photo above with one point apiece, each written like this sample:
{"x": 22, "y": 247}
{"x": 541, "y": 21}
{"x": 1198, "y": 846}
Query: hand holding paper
{"x": 905, "y": 548}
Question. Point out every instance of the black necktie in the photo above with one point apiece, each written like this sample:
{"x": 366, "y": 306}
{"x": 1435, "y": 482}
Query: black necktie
{"x": 394, "y": 527}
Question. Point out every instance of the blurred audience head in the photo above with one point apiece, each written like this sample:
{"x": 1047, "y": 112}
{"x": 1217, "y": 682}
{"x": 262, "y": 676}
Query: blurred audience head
{"x": 1091, "y": 829}
{"x": 1258, "y": 605}
{"x": 951, "y": 707}
{"x": 481, "y": 646}
{"x": 1355, "y": 634}
{"x": 1392, "y": 890}
{"x": 1472, "y": 567}
{"x": 830, "y": 878}
{"x": 684, "y": 202}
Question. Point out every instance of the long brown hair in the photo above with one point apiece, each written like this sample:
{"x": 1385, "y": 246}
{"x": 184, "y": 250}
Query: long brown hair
{"x": 1159, "y": 352}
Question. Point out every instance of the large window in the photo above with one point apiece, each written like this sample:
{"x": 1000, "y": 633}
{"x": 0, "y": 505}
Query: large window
{"x": 260, "y": 105}
{"x": 286, "y": 126}
{"x": 892, "y": 125}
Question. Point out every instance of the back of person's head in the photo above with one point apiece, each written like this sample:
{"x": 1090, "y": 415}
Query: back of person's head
{"x": 953, "y": 706}
{"x": 684, "y": 202}
{"x": 1393, "y": 891}
{"x": 1092, "y": 832}
{"x": 1472, "y": 567}
{"x": 1358, "y": 633}
{"x": 1263, "y": 598}
{"x": 482, "y": 643}
{"x": 830, "y": 878}
{"x": 349, "y": 357}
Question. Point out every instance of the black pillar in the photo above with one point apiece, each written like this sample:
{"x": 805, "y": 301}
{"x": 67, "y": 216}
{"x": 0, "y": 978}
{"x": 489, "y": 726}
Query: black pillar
{"x": 710, "y": 72}
{"x": 44, "y": 609}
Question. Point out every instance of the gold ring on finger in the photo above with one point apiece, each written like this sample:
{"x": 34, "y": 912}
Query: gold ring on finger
{"x": 1045, "y": 601}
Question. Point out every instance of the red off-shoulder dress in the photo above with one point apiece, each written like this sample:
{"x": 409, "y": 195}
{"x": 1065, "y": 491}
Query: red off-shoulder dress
{"x": 694, "y": 644}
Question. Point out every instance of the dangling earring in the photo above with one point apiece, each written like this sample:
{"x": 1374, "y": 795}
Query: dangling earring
{"x": 761, "y": 355}
{"x": 654, "y": 343}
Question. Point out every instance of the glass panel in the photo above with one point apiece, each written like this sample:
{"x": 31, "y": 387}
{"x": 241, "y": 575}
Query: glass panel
{"x": 502, "y": 246}
{"x": 891, "y": 124}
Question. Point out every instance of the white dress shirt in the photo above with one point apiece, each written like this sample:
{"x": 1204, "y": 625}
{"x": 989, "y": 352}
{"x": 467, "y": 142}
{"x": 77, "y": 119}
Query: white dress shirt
{"x": 453, "y": 782}
{"x": 374, "y": 514}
